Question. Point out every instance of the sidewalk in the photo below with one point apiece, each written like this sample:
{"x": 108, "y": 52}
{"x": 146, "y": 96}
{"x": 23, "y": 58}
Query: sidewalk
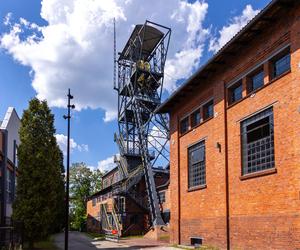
{"x": 79, "y": 241}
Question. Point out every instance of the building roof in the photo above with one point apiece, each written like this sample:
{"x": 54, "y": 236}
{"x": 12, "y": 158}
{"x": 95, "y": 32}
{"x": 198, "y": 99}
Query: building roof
{"x": 110, "y": 171}
{"x": 155, "y": 170}
{"x": 108, "y": 188}
{"x": 263, "y": 19}
{"x": 8, "y": 116}
{"x": 11, "y": 123}
{"x": 151, "y": 37}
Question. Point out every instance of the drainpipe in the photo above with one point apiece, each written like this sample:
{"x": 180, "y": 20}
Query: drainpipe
{"x": 226, "y": 170}
{"x": 178, "y": 181}
{"x": 3, "y": 176}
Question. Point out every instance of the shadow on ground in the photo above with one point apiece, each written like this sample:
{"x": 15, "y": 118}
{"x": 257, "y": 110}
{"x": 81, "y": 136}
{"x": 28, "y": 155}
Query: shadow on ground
{"x": 79, "y": 241}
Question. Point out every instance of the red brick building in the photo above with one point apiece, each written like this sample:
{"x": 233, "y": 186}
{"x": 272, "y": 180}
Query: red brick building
{"x": 126, "y": 213}
{"x": 235, "y": 140}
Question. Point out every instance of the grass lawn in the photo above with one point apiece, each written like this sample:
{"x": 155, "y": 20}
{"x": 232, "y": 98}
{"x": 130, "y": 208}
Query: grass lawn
{"x": 132, "y": 236}
{"x": 95, "y": 235}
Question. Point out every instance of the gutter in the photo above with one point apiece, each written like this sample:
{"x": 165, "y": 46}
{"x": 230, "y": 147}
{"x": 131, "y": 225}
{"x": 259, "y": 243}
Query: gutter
{"x": 178, "y": 181}
{"x": 226, "y": 171}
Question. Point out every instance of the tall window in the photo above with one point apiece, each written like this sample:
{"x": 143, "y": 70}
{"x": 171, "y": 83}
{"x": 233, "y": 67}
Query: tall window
{"x": 258, "y": 142}
{"x": 208, "y": 110}
{"x": 121, "y": 204}
{"x": 235, "y": 92}
{"x": 184, "y": 125}
{"x": 281, "y": 63}
{"x": 94, "y": 201}
{"x": 195, "y": 118}
{"x": 196, "y": 165}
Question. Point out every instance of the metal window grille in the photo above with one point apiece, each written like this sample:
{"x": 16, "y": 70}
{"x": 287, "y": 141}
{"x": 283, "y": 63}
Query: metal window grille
{"x": 196, "y": 165}
{"x": 282, "y": 65}
{"x": 257, "y": 134}
{"x": 257, "y": 80}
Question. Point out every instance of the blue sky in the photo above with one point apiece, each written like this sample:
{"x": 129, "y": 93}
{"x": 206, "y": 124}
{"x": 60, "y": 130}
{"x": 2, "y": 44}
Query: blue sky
{"x": 199, "y": 29}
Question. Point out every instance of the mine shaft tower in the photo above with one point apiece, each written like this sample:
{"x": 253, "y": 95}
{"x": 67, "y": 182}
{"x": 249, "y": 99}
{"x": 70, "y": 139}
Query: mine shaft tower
{"x": 143, "y": 134}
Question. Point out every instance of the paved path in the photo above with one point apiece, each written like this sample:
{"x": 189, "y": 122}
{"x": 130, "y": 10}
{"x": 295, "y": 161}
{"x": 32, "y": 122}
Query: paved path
{"x": 79, "y": 241}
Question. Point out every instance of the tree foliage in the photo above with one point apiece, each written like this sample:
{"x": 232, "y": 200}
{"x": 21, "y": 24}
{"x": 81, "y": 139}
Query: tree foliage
{"x": 83, "y": 183}
{"x": 40, "y": 190}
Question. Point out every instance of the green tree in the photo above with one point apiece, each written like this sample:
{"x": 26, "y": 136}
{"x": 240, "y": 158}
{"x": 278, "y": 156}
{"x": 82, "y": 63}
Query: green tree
{"x": 59, "y": 209}
{"x": 40, "y": 190}
{"x": 83, "y": 183}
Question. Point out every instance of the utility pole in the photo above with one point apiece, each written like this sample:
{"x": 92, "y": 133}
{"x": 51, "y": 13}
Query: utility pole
{"x": 68, "y": 172}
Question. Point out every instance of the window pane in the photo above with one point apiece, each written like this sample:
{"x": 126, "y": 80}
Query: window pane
{"x": 197, "y": 155}
{"x": 208, "y": 110}
{"x": 282, "y": 65}
{"x": 257, "y": 130}
{"x": 235, "y": 93}
{"x": 184, "y": 125}
{"x": 196, "y": 118}
{"x": 196, "y": 168}
{"x": 257, "y": 81}
{"x": 258, "y": 142}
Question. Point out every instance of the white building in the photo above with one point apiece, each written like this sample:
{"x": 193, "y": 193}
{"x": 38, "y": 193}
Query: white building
{"x": 9, "y": 141}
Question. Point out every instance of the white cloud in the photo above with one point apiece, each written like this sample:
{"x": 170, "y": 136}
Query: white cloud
{"x": 62, "y": 142}
{"x": 75, "y": 49}
{"x": 106, "y": 164}
{"x": 182, "y": 63}
{"x": 7, "y": 19}
{"x": 236, "y": 24}
{"x": 159, "y": 143}
{"x": 158, "y": 138}
{"x": 83, "y": 148}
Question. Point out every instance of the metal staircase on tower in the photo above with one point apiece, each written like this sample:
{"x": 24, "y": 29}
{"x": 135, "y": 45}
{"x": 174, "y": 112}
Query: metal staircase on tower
{"x": 143, "y": 135}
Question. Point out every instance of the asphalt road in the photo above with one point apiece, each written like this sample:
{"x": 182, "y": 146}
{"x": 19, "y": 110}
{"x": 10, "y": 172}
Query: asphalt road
{"x": 79, "y": 241}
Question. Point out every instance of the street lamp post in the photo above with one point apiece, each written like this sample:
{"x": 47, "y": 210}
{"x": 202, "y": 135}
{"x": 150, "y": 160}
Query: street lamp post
{"x": 68, "y": 166}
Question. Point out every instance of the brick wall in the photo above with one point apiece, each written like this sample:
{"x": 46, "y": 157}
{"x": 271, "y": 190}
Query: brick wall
{"x": 93, "y": 224}
{"x": 264, "y": 211}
